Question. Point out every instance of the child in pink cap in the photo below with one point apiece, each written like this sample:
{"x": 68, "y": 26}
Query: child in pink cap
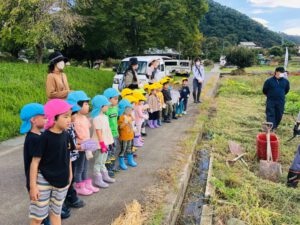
{"x": 50, "y": 169}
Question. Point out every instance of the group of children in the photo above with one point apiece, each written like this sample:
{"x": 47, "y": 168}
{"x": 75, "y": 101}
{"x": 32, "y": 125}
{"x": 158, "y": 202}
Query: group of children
{"x": 59, "y": 144}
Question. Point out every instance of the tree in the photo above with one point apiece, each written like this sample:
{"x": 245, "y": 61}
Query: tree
{"x": 35, "y": 23}
{"x": 276, "y": 51}
{"x": 240, "y": 57}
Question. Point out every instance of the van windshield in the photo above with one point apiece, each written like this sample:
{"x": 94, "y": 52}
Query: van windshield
{"x": 125, "y": 64}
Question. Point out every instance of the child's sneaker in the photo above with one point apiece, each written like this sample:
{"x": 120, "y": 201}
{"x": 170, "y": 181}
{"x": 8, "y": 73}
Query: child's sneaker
{"x": 184, "y": 113}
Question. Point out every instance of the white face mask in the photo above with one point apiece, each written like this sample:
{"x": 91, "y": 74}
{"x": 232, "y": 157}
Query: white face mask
{"x": 281, "y": 75}
{"x": 198, "y": 63}
{"x": 60, "y": 65}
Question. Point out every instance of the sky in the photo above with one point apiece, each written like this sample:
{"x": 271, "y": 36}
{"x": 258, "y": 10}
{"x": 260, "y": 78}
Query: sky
{"x": 277, "y": 15}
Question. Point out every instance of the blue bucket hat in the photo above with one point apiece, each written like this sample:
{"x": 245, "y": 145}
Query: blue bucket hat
{"x": 111, "y": 93}
{"x": 74, "y": 97}
{"x": 122, "y": 106}
{"x": 82, "y": 96}
{"x": 75, "y": 107}
{"x": 98, "y": 102}
{"x": 27, "y": 112}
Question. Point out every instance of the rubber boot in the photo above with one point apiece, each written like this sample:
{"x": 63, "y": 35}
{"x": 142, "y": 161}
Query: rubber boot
{"x": 89, "y": 185}
{"x": 155, "y": 124}
{"x": 82, "y": 190}
{"x": 122, "y": 163}
{"x": 99, "y": 181}
{"x": 159, "y": 122}
{"x": 130, "y": 160}
{"x": 141, "y": 139}
{"x": 107, "y": 178}
{"x": 137, "y": 142}
{"x": 150, "y": 124}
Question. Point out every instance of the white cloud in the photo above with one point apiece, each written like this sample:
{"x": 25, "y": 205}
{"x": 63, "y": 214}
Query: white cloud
{"x": 260, "y": 11}
{"x": 261, "y": 21}
{"x": 276, "y": 3}
{"x": 292, "y": 31}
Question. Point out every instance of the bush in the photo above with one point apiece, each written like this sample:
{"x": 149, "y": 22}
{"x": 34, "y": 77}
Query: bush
{"x": 240, "y": 57}
{"x": 208, "y": 62}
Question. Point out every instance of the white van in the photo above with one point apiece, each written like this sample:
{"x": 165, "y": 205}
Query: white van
{"x": 178, "y": 67}
{"x": 143, "y": 62}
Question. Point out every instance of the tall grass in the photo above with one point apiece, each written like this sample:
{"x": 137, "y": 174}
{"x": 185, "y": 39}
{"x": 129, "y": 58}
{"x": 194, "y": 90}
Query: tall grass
{"x": 239, "y": 191}
{"x": 25, "y": 83}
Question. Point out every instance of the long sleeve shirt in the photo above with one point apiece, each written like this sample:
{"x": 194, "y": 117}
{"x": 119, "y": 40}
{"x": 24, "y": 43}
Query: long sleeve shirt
{"x": 276, "y": 89}
{"x": 199, "y": 73}
{"x": 57, "y": 86}
{"x": 185, "y": 92}
{"x": 167, "y": 95}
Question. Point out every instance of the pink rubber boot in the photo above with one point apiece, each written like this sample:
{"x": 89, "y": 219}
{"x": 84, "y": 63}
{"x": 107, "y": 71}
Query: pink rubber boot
{"x": 82, "y": 190}
{"x": 89, "y": 185}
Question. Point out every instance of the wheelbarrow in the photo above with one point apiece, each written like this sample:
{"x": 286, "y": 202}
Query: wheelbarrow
{"x": 268, "y": 169}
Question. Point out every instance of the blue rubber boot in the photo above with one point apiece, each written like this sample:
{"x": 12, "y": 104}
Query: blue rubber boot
{"x": 130, "y": 160}
{"x": 122, "y": 163}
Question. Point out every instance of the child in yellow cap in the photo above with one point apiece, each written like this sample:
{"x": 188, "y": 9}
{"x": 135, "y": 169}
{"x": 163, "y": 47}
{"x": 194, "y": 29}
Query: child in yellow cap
{"x": 161, "y": 101}
{"x": 154, "y": 107}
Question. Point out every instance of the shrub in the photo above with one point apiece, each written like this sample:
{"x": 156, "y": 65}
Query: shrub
{"x": 240, "y": 57}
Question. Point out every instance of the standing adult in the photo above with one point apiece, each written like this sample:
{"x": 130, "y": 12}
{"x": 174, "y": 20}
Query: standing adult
{"x": 275, "y": 88}
{"x": 131, "y": 79}
{"x": 199, "y": 74}
{"x": 57, "y": 84}
{"x": 152, "y": 71}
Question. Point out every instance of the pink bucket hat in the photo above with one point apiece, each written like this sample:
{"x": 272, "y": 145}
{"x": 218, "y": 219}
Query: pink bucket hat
{"x": 53, "y": 108}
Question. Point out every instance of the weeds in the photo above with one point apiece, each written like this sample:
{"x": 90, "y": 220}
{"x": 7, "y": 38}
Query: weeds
{"x": 239, "y": 192}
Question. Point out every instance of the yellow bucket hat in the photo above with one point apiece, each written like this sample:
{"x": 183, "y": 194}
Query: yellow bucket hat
{"x": 131, "y": 99}
{"x": 125, "y": 92}
{"x": 139, "y": 96}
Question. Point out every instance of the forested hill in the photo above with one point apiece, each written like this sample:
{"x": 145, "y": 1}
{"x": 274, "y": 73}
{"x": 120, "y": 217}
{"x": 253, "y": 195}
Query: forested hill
{"x": 233, "y": 26}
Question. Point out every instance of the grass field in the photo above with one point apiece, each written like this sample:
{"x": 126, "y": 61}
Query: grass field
{"x": 239, "y": 192}
{"x": 293, "y": 67}
{"x": 25, "y": 83}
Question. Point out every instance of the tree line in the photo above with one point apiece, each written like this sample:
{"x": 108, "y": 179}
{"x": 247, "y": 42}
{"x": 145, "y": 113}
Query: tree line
{"x": 93, "y": 29}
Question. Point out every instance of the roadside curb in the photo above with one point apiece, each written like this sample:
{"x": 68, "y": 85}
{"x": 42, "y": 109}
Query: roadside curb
{"x": 174, "y": 200}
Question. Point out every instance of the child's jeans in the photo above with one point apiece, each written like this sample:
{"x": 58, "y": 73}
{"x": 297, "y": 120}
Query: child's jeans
{"x": 100, "y": 159}
{"x": 180, "y": 107}
{"x": 81, "y": 168}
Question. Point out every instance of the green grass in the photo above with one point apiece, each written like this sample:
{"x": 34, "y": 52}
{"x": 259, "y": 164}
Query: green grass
{"x": 239, "y": 192}
{"x": 293, "y": 67}
{"x": 25, "y": 83}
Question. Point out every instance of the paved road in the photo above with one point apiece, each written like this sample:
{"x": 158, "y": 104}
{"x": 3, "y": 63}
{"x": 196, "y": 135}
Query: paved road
{"x": 106, "y": 205}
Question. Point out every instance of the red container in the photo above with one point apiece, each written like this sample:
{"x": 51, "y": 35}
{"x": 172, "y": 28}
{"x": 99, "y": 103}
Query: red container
{"x": 261, "y": 146}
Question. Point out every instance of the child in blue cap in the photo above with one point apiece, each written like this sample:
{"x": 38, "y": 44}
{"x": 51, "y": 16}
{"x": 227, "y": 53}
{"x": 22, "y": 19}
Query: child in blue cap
{"x": 126, "y": 131}
{"x": 33, "y": 121}
{"x": 113, "y": 97}
{"x": 82, "y": 125}
{"x": 72, "y": 200}
{"x": 103, "y": 135}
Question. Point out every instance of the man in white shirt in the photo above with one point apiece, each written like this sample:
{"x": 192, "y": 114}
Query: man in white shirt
{"x": 199, "y": 74}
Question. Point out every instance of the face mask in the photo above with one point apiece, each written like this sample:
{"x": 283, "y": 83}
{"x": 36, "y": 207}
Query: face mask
{"x": 281, "y": 75}
{"x": 170, "y": 88}
{"x": 198, "y": 63}
{"x": 61, "y": 65}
